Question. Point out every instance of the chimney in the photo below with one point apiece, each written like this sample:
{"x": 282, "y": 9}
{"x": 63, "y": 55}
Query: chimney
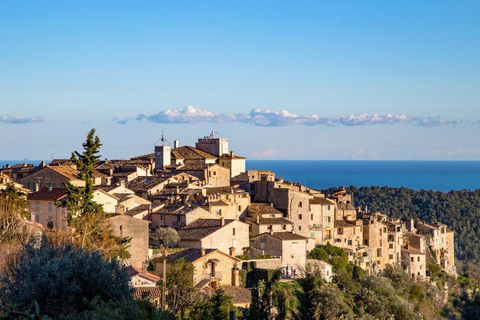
{"x": 144, "y": 267}
{"x": 258, "y": 218}
{"x": 293, "y": 230}
{"x": 42, "y": 164}
{"x": 271, "y": 204}
{"x": 202, "y": 251}
{"x": 222, "y": 221}
{"x": 176, "y": 144}
{"x": 235, "y": 277}
{"x": 232, "y": 251}
{"x": 231, "y": 154}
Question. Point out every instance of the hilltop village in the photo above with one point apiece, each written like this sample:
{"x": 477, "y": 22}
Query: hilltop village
{"x": 228, "y": 219}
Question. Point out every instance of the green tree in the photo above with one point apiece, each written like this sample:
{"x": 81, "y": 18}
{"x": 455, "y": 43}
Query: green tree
{"x": 85, "y": 216}
{"x": 181, "y": 291}
{"x": 261, "y": 307}
{"x": 217, "y": 307}
{"x": 14, "y": 201}
{"x": 166, "y": 236}
{"x": 65, "y": 280}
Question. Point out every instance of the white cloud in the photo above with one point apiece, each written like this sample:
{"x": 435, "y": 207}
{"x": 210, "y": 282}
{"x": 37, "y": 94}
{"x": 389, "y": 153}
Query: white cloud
{"x": 273, "y": 118}
{"x": 19, "y": 119}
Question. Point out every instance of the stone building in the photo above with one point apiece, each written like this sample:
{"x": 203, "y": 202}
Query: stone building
{"x": 220, "y": 234}
{"x": 263, "y": 217}
{"x": 211, "y": 266}
{"x": 414, "y": 263}
{"x": 291, "y": 247}
{"x": 45, "y": 212}
{"x": 137, "y": 229}
{"x": 234, "y": 163}
{"x": 233, "y": 201}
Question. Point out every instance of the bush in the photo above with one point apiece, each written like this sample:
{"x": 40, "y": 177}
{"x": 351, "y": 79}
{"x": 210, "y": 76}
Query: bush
{"x": 64, "y": 280}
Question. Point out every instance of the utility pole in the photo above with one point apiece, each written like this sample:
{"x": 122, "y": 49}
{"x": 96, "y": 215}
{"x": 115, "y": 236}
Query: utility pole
{"x": 164, "y": 278}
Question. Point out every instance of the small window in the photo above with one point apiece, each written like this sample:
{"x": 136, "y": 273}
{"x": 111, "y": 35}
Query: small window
{"x": 300, "y": 228}
{"x": 299, "y": 217}
{"x": 233, "y": 231}
{"x": 418, "y": 259}
{"x": 161, "y": 217}
{"x": 284, "y": 227}
{"x": 37, "y": 206}
{"x": 329, "y": 219}
{"x": 219, "y": 212}
{"x": 294, "y": 245}
{"x": 311, "y": 217}
{"x": 214, "y": 173}
{"x": 328, "y": 207}
{"x": 50, "y": 206}
{"x": 379, "y": 252}
{"x": 121, "y": 231}
{"x": 300, "y": 204}
{"x": 349, "y": 242}
{"x": 37, "y": 218}
{"x": 239, "y": 208}
{"x": 412, "y": 259}
{"x": 390, "y": 256}
{"x": 262, "y": 245}
{"x": 312, "y": 234}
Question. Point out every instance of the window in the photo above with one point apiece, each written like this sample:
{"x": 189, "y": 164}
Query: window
{"x": 233, "y": 231}
{"x": 272, "y": 215}
{"x": 284, "y": 227}
{"x": 214, "y": 173}
{"x": 299, "y": 217}
{"x": 354, "y": 230}
{"x": 329, "y": 219}
{"x": 161, "y": 217}
{"x": 262, "y": 245}
{"x": 390, "y": 256}
{"x": 328, "y": 207}
{"x": 349, "y": 242}
{"x": 270, "y": 227}
{"x": 49, "y": 207}
{"x": 381, "y": 243}
{"x": 418, "y": 259}
{"x": 37, "y": 206}
{"x": 379, "y": 252}
{"x": 311, "y": 217}
{"x": 294, "y": 245}
{"x": 312, "y": 234}
{"x": 300, "y": 204}
{"x": 37, "y": 218}
{"x": 178, "y": 218}
{"x": 219, "y": 212}
{"x": 412, "y": 259}
{"x": 340, "y": 230}
{"x": 390, "y": 246}
{"x": 239, "y": 208}
{"x": 121, "y": 231}
{"x": 300, "y": 228}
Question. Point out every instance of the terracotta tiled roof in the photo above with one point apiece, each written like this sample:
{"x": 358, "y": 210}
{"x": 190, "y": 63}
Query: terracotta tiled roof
{"x": 189, "y": 255}
{"x": 138, "y": 209}
{"x": 145, "y": 156}
{"x": 269, "y": 221}
{"x": 412, "y": 250}
{"x": 133, "y": 271}
{"x": 344, "y": 224}
{"x": 201, "y": 228}
{"x": 218, "y": 203}
{"x": 262, "y": 208}
{"x": 283, "y": 235}
{"x": 172, "y": 209}
{"x": 239, "y": 295}
{"x": 191, "y": 153}
{"x": 322, "y": 201}
{"x": 147, "y": 292}
{"x": 48, "y": 194}
{"x": 193, "y": 167}
{"x": 223, "y": 190}
{"x": 143, "y": 184}
{"x": 228, "y": 155}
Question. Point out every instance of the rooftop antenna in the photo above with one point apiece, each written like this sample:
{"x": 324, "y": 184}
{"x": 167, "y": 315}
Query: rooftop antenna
{"x": 164, "y": 142}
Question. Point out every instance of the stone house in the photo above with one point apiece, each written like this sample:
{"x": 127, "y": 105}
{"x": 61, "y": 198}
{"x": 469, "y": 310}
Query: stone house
{"x": 375, "y": 236}
{"x": 232, "y": 162}
{"x": 45, "y": 212}
{"x": 57, "y": 176}
{"x": 146, "y": 186}
{"x": 348, "y": 234}
{"x": 291, "y": 247}
{"x": 322, "y": 215}
{"x": 263, "y": 217}
{"x": 228, "y": 202}
{"x": 126, "y": 226}
{"x": 220, "y": 234}
{"x": 413, "y": 262}
{"x": 178, "y": 216}
{"x": 440, "y": 241}
{"x": 212, "y": 174}
{"x": 144, "y": 284}
{"x": 21, "y": 170}
{"x": 211, "y": 266}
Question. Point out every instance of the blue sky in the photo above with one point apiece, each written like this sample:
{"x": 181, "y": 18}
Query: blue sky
{"x": 66, "y": 67}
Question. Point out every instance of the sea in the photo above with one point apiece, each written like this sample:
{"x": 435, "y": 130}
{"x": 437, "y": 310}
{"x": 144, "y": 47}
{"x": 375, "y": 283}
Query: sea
{"x": 429, "y": 175}
{"x": 323, "y": 174}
